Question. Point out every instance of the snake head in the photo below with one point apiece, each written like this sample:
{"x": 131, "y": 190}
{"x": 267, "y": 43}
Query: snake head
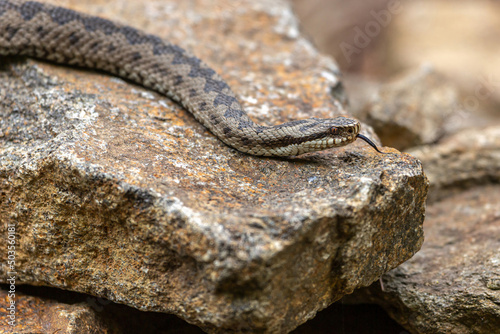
{"x": 342, "y": 131}
{"x": 320, "y": 134}
{"x": 323, "y": 134}
{"x": 310, "y": 135}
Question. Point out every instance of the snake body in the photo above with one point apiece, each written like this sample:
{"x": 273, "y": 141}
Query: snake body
{"x": 34, "y": 29}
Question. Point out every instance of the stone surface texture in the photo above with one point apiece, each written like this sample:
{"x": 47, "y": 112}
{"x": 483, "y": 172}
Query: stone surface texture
{"x": 452, "y": 285}
{"x": 50, "y": 310}
{"x": 43, "y": 315}
{"x": 119, "y": 193}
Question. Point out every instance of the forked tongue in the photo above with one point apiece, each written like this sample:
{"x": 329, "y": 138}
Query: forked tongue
{"x": 360, "y": 136}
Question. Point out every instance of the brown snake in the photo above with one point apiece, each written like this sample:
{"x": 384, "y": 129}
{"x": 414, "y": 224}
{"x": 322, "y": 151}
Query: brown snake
{"x": 39, "y": 30}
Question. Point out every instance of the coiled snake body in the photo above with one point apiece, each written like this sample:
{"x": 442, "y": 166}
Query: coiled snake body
{"x": 61, "y": 35}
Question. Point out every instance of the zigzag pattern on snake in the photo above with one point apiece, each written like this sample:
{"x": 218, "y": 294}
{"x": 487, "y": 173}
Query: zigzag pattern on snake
{"x": 61, "y": 35}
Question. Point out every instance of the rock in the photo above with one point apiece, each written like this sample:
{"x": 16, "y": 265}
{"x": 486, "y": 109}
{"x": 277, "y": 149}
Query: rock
{"x": 413, "y": 109}
{"x": 48, "y": 310}
{"x": 117, "y": 192}
{"x": 452, "y": 285}
{"x": 466, "y": 159}
{"x": 43, "y": 315}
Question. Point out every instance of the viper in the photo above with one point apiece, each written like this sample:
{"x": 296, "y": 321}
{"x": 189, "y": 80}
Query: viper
{"x": 61, "y": 35}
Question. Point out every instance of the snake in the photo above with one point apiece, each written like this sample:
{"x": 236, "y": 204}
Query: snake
{"x": 61, "y": 35}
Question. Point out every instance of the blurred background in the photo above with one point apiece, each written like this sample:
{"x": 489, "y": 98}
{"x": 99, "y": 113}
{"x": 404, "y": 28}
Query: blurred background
{"x": 381, "y": 41}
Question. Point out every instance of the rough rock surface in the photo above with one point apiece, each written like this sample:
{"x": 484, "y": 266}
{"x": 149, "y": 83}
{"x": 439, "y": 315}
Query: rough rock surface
{"x": 50, "y": 310}
{"x": 413, "y": 109}
{"x": 119, "y": 193}
{"x": 452, "y": 285}
{"x": 466, "y": 159}
{"x": 44, "y": 315}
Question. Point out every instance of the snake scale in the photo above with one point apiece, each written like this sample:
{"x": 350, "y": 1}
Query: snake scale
{"x": 39, "y": 30}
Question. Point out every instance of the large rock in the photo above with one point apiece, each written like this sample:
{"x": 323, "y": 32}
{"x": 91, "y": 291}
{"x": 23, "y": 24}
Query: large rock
{"x": 117, "y": 192}
{"x": 453, "y": 284}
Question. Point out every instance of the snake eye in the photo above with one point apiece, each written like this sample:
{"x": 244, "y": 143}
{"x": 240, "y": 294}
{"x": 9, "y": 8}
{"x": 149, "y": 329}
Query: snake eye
{"x": 334, "y": 131}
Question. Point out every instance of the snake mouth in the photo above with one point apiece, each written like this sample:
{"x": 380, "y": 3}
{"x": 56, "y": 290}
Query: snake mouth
{"x": 372, "y": 144}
